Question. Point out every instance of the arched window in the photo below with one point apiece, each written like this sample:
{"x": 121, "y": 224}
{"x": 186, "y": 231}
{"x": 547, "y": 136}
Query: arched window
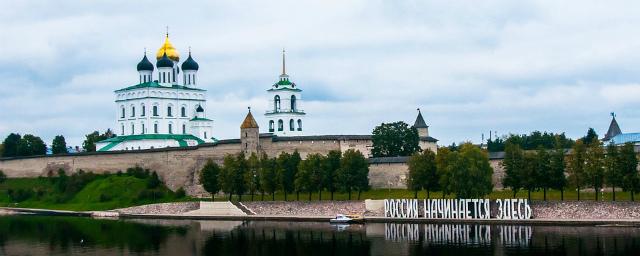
{"x": 299, "y": 125}
{"x": 270, "y": 125}
{"x": 169, "y": 112}
{"x": 293, "y": 103}
{"x": 122, "y": 112}
{"x": 276, "y": 103}
{"x": 205, "y": 135}
{"x": 144, "y": 111}
{"x": 183, "y": 112}
{"x": 291, "y": 125}
{"x": 155, "y": 110}
{"x": 122, "y": 129}
{"x": 280, "y": 125}
{"x": 170, "y": 128}
{"x": 133, "y": 129}
{"x": 155, "y": 128}
{"x": 184, "y": 129}
{"x": 142, "y": 126}
{"x": 133, "y": 111}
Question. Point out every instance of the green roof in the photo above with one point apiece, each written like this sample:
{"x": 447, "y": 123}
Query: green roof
{"x": 157, "y": 85}
{"x": 284, "y": 89}
{"x": 179, "y": 137}
{"x": 200, "y": 119}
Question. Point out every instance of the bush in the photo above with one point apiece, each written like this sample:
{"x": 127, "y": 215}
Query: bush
{"x": 180, "y": 193}
{"x": 19, "y": 195}
{"x": 153, "y": 181}
{"x": 138, "y": 172}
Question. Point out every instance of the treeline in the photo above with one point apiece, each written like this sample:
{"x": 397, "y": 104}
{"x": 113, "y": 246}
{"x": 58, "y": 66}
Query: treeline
{"x": 588, "y": 164}
{"x": 465, "y": 172}
{"x": 15, "y": 145}
{"x": 531, "y": 141}
{"x": 287, "y": 174}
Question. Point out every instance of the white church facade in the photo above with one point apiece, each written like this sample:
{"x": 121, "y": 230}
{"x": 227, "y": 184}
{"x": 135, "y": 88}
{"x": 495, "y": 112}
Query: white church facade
{"x": 164, "y": 111}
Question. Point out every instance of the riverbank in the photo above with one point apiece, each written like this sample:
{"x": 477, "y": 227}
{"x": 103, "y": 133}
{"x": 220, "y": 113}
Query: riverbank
{"x": 544, "y": 213}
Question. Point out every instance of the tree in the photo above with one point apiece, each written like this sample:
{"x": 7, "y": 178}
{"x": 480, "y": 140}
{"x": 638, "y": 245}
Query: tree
{"x": 613, "y": 172}
{"x": 557, "y": 179}
{"x": 59, "y": 145}
{"x": 590, "y": 137}
{"x": 470, "y": 173}
{"x": 209, "y": 178}
{"x": 575, "y": 165}
{"x": 544, "y": 171}
{"x": 594, "y": 166}
{"x": 628, "y": 164}
{"x": 31, "y": 145}
{"x": 331, "y": 166}
{"x": 353, "y": 173}
{"x": 443, "y": 160}
{"x": 287, "y": 169}
{"x": 268, "y": 176}
{"x": 3, "y": 177}
{"x": 89, "y": 143}
{"x": 514, "y": 165}
{"x": 423, "y": 173}
{"x": 229, "y": 165}
{"x": 309, "y": 176}
{"x": 239, "y": 174}
{"x": 252, "y": 176}
{"x": 395, "y": 139}
{"x": 529, "y": 174}
{"x": 10, "y": 145}
{"x": 1, "y": 149}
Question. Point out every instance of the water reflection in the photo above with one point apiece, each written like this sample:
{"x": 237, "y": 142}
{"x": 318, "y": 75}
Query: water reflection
{"x": 38, "y": 235}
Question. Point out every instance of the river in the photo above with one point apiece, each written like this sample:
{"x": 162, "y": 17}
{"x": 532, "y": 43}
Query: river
{"x": 43, "y": 235}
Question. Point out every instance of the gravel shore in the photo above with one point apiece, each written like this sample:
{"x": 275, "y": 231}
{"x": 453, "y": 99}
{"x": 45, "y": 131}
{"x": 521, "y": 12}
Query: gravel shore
{"x": 585, "y": 210}
{"x": 302, "y": 208}
{"x": 164, "y": 208}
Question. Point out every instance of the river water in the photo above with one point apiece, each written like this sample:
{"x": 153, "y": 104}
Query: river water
{"x": 42, "y": 235}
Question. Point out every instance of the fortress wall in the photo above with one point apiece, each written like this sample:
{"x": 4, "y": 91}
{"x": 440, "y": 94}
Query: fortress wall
{"x": 179, "y": 167}
{"x": 304, "y": 147}
{"x": 388, "y": 175}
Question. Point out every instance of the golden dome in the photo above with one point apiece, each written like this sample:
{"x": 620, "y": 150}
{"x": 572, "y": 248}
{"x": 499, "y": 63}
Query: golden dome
{"x": 171, "y": 51}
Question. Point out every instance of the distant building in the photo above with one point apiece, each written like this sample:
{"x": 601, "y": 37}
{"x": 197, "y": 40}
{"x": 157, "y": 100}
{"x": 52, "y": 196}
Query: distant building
{"x": 614, "y": 134}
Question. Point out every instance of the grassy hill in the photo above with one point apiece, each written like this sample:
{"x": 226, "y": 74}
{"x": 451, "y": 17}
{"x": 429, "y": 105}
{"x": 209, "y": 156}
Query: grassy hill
{"x": 86, "y": 191}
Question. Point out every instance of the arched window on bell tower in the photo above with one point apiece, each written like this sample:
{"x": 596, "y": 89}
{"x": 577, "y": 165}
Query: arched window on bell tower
{"x": 276, "y": 103}
{"x": 293, "y": 103}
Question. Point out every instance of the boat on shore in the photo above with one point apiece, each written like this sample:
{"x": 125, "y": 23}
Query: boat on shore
{"x": 347, "y": 219}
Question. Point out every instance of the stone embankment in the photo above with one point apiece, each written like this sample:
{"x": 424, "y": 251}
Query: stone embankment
{"x": 569, "y": 210}
{"x": 306, "y": 208}
{"x": 585, "y": 210}
{"x": 163, "y": 208}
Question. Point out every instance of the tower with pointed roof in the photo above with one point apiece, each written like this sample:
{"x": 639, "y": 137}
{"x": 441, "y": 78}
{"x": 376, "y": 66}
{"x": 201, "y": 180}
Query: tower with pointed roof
{"x": 158, "y": 113}
{"x": 421, "y": 125}
{"x": 613, "y": 130}
{"x": 285, "y": 115}
{"x": 249, "y": 135}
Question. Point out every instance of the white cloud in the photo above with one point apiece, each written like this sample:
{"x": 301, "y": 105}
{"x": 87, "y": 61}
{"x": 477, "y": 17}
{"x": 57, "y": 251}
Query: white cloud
{"x": 470, "y": 66}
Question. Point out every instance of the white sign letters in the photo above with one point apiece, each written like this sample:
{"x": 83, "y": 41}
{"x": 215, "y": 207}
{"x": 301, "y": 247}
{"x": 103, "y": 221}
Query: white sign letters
{"x": 507, "y": 209}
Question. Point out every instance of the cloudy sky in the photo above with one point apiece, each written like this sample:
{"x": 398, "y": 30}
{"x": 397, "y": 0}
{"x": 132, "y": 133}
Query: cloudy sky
{"x": 471, "y": 66}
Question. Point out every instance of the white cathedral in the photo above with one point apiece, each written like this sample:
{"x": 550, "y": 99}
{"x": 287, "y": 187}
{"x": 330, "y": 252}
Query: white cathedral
{"x": 170, "y": 110}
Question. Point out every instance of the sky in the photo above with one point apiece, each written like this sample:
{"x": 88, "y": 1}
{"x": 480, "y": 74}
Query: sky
{"x": 470, "y": 66}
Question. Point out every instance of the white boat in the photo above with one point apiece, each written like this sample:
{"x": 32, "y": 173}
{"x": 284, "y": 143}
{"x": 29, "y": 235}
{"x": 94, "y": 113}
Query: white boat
{"x": 346, "y": 219}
